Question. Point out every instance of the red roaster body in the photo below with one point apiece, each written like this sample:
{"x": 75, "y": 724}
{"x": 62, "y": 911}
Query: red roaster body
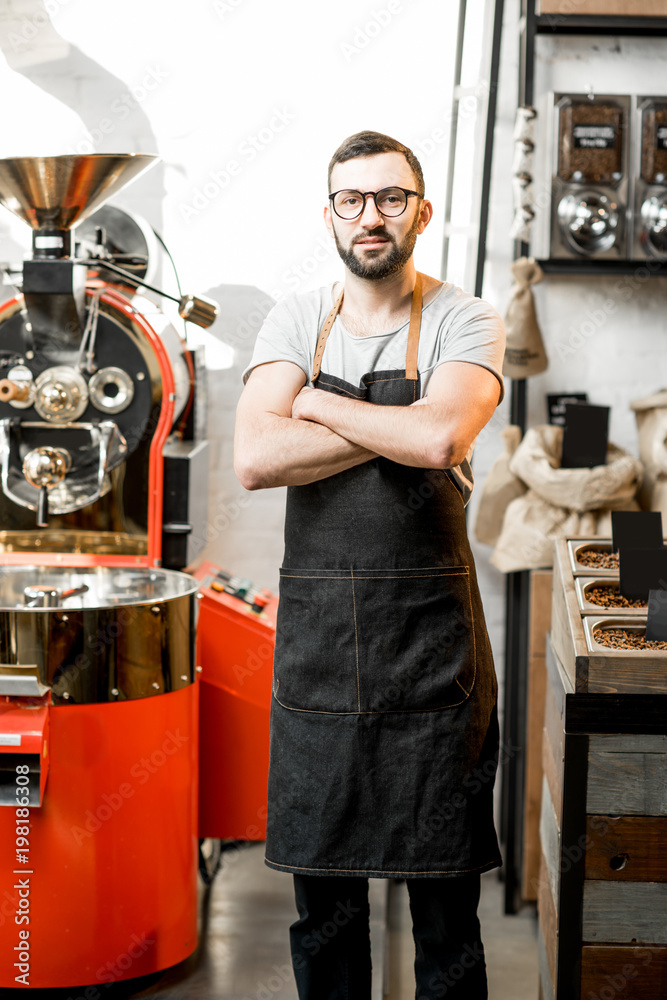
{"x": 235, "y": 650}
{"x": 109, "y": 891}
{"x": 99, "y": 700}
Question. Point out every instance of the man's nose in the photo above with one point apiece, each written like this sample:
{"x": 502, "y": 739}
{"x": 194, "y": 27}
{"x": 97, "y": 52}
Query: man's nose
{"x": 370, "y": 215}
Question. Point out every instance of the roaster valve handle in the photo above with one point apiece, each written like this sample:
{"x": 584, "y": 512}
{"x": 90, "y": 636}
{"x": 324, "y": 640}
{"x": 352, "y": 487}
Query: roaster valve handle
{"x": 10, "y": 390}
{"x": 199, "y": 310}
{"x": 43, "y": 508}
{"x": 44, "y": 468}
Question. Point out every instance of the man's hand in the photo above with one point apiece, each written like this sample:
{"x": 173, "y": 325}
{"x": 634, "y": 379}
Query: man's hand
{"x": 310, "y": 404}
{"x": 273, "y": 449}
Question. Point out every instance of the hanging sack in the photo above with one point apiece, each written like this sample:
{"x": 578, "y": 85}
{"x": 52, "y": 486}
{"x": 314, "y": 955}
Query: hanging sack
{"x": 524, "y": 353}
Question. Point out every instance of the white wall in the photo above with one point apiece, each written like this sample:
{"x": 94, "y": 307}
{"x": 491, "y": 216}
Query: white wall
{"x": 245, "y": 101}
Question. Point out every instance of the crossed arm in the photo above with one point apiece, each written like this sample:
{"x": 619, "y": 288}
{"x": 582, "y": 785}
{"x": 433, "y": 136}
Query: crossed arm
{"x": 289, "y": 435}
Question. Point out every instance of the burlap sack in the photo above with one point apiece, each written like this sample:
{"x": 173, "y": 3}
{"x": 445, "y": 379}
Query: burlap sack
{"x": 500, "y": 488}
{"x": 524, "y": 353}
{"x": 537, "y": 462}
{"x": 531, "y": 526}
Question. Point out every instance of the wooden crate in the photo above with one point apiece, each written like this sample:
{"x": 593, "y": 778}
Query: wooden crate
{"x": 602, "y": 890}
{"x": 612, "y": 8}
{"x": 589, "y": 669}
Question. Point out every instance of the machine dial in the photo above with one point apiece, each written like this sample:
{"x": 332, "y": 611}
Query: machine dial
{"x": 61, "y": 394}
{"x": 111, "y": 390}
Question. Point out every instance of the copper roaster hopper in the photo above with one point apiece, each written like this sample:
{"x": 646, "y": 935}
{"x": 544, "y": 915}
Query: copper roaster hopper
{"x": 57, "y": 192}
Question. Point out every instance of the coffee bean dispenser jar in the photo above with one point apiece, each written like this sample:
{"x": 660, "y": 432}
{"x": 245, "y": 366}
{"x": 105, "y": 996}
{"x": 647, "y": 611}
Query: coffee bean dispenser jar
{"x": 650, "y": 228}
{"x": 588, "y": 167}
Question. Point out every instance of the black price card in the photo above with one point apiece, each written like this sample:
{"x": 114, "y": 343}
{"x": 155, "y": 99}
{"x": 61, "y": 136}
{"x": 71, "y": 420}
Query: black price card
{"x": 656, "y": 622}
{"x": 556, "y": 405}
{"x": 636, "y": 529}
{"x": 585, "y": 436}
{"x": 641, "y": 570}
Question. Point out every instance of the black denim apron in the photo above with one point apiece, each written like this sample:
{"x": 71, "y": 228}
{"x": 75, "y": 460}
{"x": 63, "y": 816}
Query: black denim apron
{"x": 384, "y": 733}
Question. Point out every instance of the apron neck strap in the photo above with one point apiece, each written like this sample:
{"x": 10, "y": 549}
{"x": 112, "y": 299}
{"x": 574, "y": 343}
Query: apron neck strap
{"x": 411, "y": 354}
{"x": 413, "y": 333}
{"x": 324, "y": 333}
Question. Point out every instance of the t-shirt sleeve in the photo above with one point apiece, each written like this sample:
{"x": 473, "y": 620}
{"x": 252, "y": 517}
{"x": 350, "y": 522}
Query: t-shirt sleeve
{"x": 474, "y": 333}
{"x": 280, "y": 339}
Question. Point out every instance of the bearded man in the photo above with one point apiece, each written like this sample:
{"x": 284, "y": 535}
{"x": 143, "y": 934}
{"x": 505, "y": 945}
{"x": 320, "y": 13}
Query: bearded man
{"x": 365, "y": 398}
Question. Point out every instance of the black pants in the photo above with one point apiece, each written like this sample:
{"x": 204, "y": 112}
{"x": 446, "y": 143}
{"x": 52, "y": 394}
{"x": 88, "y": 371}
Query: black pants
{"x": 331, "y": 939}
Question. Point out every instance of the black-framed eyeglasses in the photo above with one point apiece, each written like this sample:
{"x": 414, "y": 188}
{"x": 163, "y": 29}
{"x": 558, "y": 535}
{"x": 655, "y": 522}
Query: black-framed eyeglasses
{"x": 390, "y": 202}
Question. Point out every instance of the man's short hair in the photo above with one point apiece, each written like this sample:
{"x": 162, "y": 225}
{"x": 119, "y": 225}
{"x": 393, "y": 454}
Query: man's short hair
{"x": 370, "y": 143}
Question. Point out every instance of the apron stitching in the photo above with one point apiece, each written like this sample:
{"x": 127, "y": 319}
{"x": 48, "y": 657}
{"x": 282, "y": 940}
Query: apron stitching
{"x": 474, "y": 650}
{"x": 386, "y": 711}
{"x": 340, "y": 388}
{"x": 423, "y": 576}
{"x": 429, "y": 871}
{"x": 356, "y": 643}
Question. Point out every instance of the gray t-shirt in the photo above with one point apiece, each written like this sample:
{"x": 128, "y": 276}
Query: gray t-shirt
{"x": 456, "y": 326}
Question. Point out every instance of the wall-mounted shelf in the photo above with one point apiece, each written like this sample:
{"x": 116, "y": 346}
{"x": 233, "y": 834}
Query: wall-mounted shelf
{"x": 582, "y": 24}
{"x": 602, "y": 268}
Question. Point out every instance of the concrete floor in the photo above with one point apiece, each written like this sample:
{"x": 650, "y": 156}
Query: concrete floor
{"x": 244, "y": 953}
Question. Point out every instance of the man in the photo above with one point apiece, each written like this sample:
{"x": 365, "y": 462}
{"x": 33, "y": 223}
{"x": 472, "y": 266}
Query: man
{"x": 365, "y": 399}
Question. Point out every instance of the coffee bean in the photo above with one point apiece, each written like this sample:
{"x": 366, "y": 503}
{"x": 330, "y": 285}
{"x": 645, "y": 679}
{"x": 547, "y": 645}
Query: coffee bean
{"x": 609, "y": 597}
{"x": 622, "y": 638}
{"x": 598, "y": 558}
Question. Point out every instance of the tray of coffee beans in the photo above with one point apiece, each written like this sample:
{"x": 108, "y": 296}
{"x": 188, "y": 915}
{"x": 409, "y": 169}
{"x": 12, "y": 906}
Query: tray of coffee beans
{"x": 601, "y": 595}
{"x": 621, "y": 635}
{"x": 592, "y": 556}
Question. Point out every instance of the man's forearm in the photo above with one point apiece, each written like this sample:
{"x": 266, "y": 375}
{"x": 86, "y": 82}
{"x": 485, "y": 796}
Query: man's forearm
{"x": 410, "y": 435}
{"x": 282, "y": 451}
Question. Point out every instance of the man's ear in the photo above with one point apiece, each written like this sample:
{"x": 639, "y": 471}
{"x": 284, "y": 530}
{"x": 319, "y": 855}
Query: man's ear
{"x": 425, "y": 216}
{"x": 328, "y": 221}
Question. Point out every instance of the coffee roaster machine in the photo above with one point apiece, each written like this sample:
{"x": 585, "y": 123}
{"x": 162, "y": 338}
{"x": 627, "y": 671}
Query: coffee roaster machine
{"x": 102, "y": 471}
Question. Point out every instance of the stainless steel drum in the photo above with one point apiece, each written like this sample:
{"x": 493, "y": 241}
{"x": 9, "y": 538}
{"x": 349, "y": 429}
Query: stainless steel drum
{"x": 95, "y": 634}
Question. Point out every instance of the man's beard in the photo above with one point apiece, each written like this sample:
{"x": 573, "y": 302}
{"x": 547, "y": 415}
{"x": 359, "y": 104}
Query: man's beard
{"x": 375, "y": 268}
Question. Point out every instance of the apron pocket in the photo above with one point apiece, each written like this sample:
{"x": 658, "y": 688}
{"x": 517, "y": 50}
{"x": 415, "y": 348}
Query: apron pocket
{"x": 415, "y": 638}
{"x": 316, "y": 656}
